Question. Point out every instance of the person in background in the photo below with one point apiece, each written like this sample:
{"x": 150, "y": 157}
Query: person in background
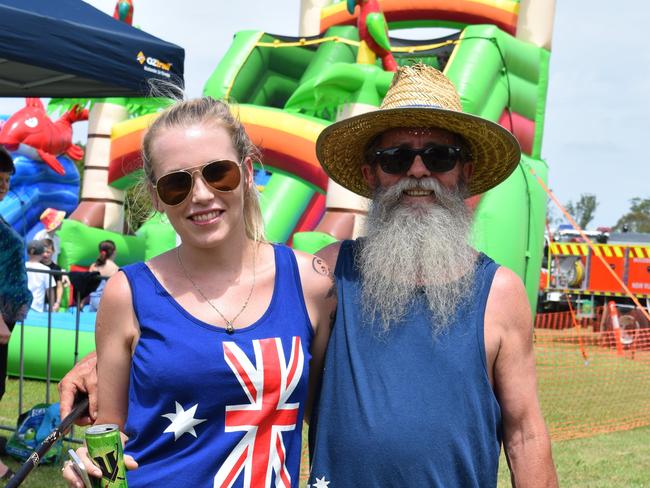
{"x": 55, "y": 293}
{"x": 15, "y": 297}
{"x": 51, "y": 219}
{"x": 38, "y": 283}
{"x": 106, "y": 267}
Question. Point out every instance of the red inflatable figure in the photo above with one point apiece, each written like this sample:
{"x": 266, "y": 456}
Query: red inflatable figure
{"x": 31, "y": 132}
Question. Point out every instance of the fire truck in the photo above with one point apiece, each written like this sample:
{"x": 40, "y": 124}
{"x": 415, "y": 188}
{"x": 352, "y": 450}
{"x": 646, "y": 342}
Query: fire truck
{"x": 574, "y": 276}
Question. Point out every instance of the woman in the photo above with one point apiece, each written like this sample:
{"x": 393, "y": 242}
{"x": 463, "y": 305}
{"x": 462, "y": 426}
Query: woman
{"x": 106, "y": 267}
{"x": 15, "y": 298}
{"x": 207, "y": 346}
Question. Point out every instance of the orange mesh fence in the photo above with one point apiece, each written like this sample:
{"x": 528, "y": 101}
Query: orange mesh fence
{"x": 591, "y": 379}
{"x": 593, "y": 372}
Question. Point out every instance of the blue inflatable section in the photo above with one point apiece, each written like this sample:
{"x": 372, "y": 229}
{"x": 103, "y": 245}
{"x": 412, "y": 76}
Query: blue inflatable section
{"x": 63, "y": 320}
{"x": 36, "y": 187}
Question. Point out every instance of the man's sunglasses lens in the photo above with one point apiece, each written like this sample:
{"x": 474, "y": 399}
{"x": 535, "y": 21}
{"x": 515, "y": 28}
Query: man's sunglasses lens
{"x": 394, "y": 160}
{"x": 437, "y": 158}
{"x": 174, "y": 187}
{"x": 440, "y": 159}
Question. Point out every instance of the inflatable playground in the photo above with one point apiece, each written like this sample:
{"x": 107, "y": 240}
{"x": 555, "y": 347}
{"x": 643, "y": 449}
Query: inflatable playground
{"x": 286, "y": 90}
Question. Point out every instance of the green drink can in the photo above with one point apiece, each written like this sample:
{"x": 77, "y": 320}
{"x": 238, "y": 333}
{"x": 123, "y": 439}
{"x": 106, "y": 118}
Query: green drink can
{"x": 105, "y": 449}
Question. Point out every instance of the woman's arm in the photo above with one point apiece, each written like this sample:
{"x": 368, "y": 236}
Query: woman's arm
{"x": 116, "y": 332}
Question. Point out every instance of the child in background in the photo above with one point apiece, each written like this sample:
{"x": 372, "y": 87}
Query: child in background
{"x": 106, "y": 267}
{"x": 55, "y": 293}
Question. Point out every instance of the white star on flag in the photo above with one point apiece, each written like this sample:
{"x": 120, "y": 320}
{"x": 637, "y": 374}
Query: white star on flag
{"x": 183, "y": 421}
{"x": 321, "y": 483}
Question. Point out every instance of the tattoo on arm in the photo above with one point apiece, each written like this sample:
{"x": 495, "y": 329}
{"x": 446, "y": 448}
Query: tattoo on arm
{"x": 320, "y": 266}
{"x": 322, "y": 269}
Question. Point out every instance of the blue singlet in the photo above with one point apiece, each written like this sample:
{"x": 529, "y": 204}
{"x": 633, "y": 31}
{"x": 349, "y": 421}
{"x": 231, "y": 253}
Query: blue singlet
{"x": 208, "y": 408}
{"x": 403, "y": 409}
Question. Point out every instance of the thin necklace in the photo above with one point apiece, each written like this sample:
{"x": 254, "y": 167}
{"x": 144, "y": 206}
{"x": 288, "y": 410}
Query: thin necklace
{"x": 229, "y": 327}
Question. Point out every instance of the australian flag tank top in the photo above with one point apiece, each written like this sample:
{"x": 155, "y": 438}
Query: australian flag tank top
{"x": 212, "y": 409}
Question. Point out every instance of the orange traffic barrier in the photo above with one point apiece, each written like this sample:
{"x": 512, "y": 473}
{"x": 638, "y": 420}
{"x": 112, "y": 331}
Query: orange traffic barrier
{"x": 616, "y": 326}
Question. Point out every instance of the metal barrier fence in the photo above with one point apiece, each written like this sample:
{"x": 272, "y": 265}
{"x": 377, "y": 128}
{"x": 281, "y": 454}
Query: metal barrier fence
{"x": 75, "y": 277}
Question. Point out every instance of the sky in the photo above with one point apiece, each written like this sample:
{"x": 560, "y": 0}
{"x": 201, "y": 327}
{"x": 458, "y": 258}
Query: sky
{"x": 598, "y": 103}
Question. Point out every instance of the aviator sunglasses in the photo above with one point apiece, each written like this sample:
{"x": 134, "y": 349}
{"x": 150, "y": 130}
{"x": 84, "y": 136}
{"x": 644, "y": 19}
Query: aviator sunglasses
{"x": 438, "y": 158}
{"x": 221, "y": 175}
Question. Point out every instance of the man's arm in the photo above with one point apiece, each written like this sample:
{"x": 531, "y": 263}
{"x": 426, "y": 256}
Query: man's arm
{"x": 525, "y": 438}
{"x": 320, "y": 296}
{"x": 82, "y": 379}
{"x": 330, "y": 254}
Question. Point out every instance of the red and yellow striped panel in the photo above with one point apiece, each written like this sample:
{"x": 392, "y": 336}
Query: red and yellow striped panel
{"x": 502, "y": 13}
{"x": 288, "y": 143}
{"x": 605, "y": 250}
{"x": 565, "y": 249}
{"x": 640, "y": 251}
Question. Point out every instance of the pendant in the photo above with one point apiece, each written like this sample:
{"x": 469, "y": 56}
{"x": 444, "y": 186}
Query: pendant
{"x": 229, "y": 328}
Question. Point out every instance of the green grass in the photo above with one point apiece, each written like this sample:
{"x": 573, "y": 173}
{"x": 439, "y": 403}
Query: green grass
{"x": 34, "y": 392}
{"x": 603, "y": 461}
{"x": 581, "y": 398}
{"x": 620, "y": 459}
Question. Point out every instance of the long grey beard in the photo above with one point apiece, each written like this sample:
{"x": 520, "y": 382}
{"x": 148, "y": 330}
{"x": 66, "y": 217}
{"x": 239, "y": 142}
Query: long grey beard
{"x": 409, "y": 249}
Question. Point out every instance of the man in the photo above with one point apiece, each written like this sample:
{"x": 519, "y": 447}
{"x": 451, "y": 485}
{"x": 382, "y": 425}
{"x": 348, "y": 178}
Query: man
{"x": 37, "y": 282}
{"x": 430, "y": 363}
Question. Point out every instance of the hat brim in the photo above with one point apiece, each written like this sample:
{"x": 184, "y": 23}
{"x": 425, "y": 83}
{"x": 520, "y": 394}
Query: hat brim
{"x": 340, "y": 147}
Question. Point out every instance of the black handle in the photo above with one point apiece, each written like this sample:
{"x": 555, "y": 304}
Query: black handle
{"x": 34, "y": 459}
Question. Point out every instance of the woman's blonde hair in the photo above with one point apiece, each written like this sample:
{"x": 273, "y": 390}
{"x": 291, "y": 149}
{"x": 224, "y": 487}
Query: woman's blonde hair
{"x": 205, "y": 111}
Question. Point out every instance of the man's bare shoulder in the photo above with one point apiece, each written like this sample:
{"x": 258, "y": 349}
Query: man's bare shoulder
{"x": 330, "y": 254}
{"x": 506, "y": 281}
{"x": 315, "y": 273}
{"x": 508, "y": 302}
{"x": 319, "y": 290}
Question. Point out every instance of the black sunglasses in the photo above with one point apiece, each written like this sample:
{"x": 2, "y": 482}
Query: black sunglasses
{"x": 438, "y": 158}
{"x": 221, "y": 175}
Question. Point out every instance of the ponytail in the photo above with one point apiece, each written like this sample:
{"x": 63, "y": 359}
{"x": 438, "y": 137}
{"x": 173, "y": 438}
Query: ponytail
{"x": 106, "y": 251}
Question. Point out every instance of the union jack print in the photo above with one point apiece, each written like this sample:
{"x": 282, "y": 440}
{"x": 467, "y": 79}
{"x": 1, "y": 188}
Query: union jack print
{"x": 268, "y": 385}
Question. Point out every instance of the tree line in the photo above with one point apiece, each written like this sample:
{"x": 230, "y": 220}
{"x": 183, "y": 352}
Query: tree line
{"x": 637, "y": 218}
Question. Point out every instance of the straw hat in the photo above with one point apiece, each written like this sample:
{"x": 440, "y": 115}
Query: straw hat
{"x": 51, "y": 218}
{"x": 419, "y": 96}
